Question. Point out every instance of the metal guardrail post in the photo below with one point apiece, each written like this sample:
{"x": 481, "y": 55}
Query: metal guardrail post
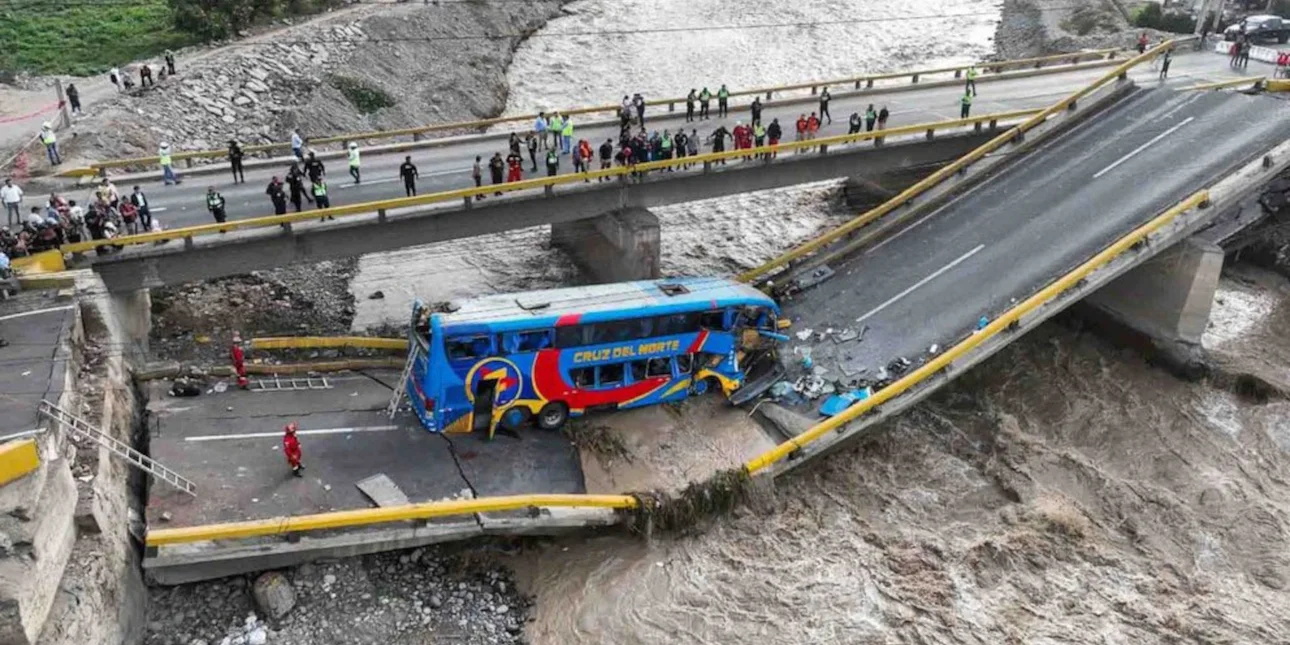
{"x": 286, "y": 227}
{"x": 813, "y": 91}
{"x": 188, "y": 243}
{"x": 417, "y": 136}
{"x": 914, "y": 78}
{"x": 869, "y": 85}
{"x": 549, "y": 190}
{"x": 671, "y": 107}
{"x": 1073, "y": 106}
{"x": 707, "y": 165}
{"x": 976, "y": 127}
{"x": 994, "y": 124}
{"x": 824, "y": 148}
{"x": 958, "y": 73}
{"x": 188, "y": 162}
{"x": 380, "y": 215}
{"x": 467, "y": 202}
{"x": 878, "y": 141}
{"x": 769, "y": 94}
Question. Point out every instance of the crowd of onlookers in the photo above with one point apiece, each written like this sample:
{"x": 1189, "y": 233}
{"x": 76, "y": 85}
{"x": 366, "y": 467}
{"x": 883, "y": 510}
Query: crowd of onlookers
{"x": 52, "y": 222}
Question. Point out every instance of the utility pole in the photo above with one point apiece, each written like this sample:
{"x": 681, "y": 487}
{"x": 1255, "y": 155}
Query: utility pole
{"x": 64, "y": 110}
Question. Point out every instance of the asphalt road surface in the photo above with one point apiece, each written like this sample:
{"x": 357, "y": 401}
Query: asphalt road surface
{"x": 448, "y": 167}
{"x": 931, "y": 281}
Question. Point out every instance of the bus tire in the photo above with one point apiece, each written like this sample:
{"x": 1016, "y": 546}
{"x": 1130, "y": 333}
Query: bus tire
{"x": 703, "y": 386}
{"x": 514, "y": 418}
{"x": 552, "y": 416}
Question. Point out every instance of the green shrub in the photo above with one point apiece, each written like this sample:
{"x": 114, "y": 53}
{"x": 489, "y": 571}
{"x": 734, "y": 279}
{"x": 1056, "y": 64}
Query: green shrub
{"x": 1152, "y": 16}
{"x": 363, "y": 96}
{"x": 81, "y": 38}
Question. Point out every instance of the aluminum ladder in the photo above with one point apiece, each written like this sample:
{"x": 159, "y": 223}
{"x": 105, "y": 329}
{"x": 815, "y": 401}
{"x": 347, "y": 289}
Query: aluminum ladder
{"x": 291, "y": 384}
{"x": 141, "y": 461}
{"x": 400, "y": 388}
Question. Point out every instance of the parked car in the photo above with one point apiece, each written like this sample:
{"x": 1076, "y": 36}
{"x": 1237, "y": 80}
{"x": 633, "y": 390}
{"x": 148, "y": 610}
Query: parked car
{"x": 1259, "y": 28}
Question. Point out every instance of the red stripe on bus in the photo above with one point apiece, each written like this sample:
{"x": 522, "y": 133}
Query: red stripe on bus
{"x": 568, "y": 319}
{"x": 698, "y": 342}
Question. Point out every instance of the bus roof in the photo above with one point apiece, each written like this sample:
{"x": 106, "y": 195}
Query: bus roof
{"x": 599, "y": 302}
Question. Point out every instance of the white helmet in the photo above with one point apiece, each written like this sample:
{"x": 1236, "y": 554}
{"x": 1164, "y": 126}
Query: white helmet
{"x": 46, "y": 126}
{"x": 352, "y": 145}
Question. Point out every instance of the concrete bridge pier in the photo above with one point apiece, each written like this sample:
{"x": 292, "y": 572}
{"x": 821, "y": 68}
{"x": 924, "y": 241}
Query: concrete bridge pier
{"x": 618, "y": 246}
{"x": 132, "y": 312}
{"x": 1166, "y": 302}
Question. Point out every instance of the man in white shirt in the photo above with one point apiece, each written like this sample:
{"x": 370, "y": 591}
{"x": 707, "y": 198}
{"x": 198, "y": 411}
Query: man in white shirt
{"x": 11, "y": 195}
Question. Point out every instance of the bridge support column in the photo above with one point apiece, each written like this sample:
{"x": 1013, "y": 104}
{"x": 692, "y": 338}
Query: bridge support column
{"x": 1167, "y": 300}
{"x": 132, "y": 312}
{"x": 614, "y": 247}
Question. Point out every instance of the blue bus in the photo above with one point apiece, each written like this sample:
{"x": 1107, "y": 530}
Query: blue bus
{"x": 543, "y": 356}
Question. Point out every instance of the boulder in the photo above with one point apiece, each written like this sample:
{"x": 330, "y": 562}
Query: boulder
{"x": 274, "y": 595}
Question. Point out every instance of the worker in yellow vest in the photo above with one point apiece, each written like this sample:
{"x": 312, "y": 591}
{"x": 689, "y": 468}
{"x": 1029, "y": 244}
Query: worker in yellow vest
{"x": 50, "y": 140}
{"x": 971, "y": 80}
{"x": 965, "y": 105}
{"x": 354, "y": 162}
{"x": 566, "y": 134}
{"x": 167, "y": 164}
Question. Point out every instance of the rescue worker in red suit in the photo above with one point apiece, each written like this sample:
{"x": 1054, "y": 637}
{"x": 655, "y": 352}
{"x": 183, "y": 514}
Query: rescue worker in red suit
{"x": 515, "y": 165}
{"x": 291, "y": 448}
{"x": 239, "y": 361}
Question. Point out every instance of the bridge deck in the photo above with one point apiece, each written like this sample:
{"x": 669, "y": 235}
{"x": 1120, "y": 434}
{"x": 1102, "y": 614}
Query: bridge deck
{"x": 929, "y": 282}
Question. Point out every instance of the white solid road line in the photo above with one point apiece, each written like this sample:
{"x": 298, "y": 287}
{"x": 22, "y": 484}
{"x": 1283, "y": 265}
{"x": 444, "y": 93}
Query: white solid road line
{"x": 265, "y": 435}
{"x": 1142, "y": 147}
{"x": 922, "y": 282}
{"x": 35, "y": 312}
{"x": 369, "y": 182}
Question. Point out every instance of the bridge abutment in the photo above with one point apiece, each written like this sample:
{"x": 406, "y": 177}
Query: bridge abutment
{"x": 614, "y": 247}
{"x": 1167, "y": 300}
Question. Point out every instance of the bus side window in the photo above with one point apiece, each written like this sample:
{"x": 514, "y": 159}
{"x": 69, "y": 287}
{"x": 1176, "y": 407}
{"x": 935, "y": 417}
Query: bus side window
{"x": 684, "y": 363}
{"x": 583, "y": 377}
{"x": 570, "y": 336}
{"x": 713, "y": 319}
{"x": 468, "y": 347}
{"x": 530, "y": 341}
{"x": 610, "y": 375}
{"x": 659, "y": 367}
{"x": 638, "y": 371}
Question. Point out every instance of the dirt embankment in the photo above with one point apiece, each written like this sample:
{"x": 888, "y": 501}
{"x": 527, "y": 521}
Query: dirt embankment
{"x": 379, "y": 67}
{"x": 1039, "y": 27}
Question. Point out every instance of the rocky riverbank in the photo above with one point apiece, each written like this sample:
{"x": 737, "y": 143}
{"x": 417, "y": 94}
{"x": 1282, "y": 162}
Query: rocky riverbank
{"x": 442, "y": 596}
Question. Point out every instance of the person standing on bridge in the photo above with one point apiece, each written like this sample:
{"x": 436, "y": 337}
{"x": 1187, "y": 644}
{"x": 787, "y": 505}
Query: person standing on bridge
{"x": 314, "y": 168}
{"x": 882, "y": 118}
{"x": 555, "y": 126}
{"x": 825, "y": 97}
{"x": 140, "y": 202}
{"x": 705, "y": 99}
{"x": 235, "y": 161}
{"x": 539, "y": 128}
{"x": 514, "y": 167}
{"x": 354, "y": 162}
{"x": 870, "y": 118}
{"x": 297, "y": 144}
{"x": 408, "y": 172}
{"x": 773, "y": 134}
{"x": 291, "y": 449}
{"x": 718, "y": 139}
{"x": 854, "y": 123}
{"x": 296, "y": 185}
{"x": 167, "y": 164}
{"x": 755, "y": 108}
{"x": 496, "y": 167}
{"x": 689, "y": 105}
{"x": 320, "y": 197}
{"x": 552, "y": 163}
{"x": 277, "y": 195}
{"x": 215, "y": 204}
{"x": 1165, "y": 60}
{"x": 723, "y": 101}
{"x": 11, "y": 195}
{"x": 970, "y": 86}
{"x": 801, "y": 129}
{"x": 514, "y": 142}
{"x": 965, "y": 105}
{"x": 812, "y": 127}
{"x": 477, "y": 173}
{"x": 566, "y": 134}
{"x": 606, "y": 157}
{"x": 531, "y": 143}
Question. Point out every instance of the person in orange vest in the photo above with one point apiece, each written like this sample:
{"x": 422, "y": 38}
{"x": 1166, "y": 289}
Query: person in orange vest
{"x": 239, "y": 360}
{"x": 291, "y": 449}
{"x": 812, "y": 126}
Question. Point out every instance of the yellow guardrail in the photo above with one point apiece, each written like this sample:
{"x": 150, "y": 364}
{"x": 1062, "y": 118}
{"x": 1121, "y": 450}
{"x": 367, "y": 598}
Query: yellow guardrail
{"x": 932, "y": 180}
{"x": 39, "y": 263}
{"x": 17, "y": 458}
{"x": 940, "y": 362}
{"x": 857, "y": 81}
{"x": 1277, "y": 85}
{"x": 1256, "y": 81}
{"x": 540, "y": 182}
{"x": 317, "y": 342}
{"x": 367, "y": 516}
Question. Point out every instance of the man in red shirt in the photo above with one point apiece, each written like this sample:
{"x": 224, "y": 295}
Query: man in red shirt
{"x": 812, "y": 126}
{"x": 291, "y": 448}
{"x": 515, "y": 165}
{"x": 239, "y": 361}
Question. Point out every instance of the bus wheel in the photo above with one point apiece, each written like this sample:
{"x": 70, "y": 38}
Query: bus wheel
{"x": 514, "y": 418}
{"x": 702, "y": 387}
{"x": 552, "y": 416}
